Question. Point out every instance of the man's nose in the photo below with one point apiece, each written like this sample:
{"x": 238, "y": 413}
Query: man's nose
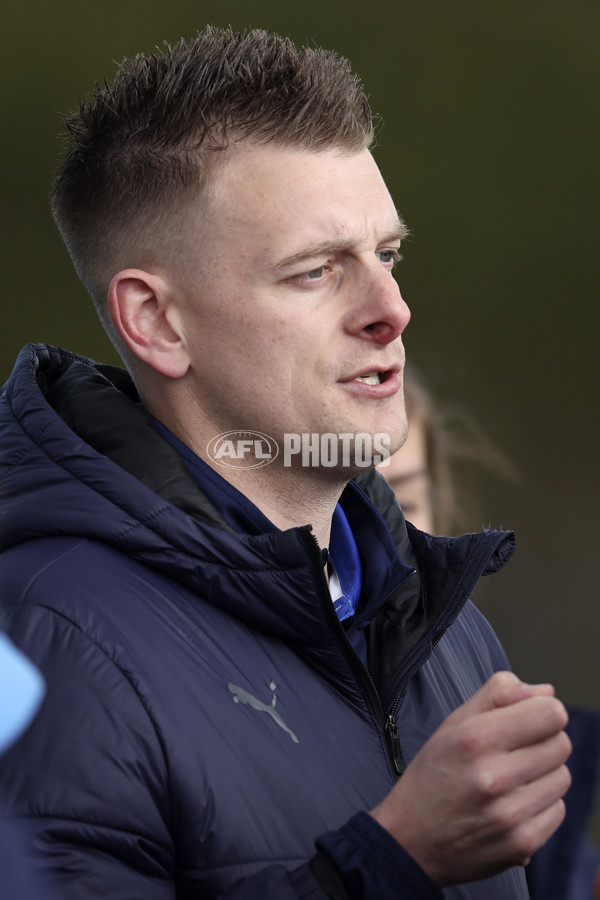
{"x": 380, "y": 313}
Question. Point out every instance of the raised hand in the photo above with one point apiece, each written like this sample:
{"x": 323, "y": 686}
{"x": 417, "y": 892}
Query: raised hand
{"x": 485, "y": 791}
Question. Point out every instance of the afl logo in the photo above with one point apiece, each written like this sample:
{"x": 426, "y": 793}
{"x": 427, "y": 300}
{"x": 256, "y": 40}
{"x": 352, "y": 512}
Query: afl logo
{"x": 242, "y": 449}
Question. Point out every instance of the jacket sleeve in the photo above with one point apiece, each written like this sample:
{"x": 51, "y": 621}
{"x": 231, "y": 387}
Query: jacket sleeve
{"x": 89, "y": 784}
{"x": 359, "y": 861}
{"x": 372, "y": 865}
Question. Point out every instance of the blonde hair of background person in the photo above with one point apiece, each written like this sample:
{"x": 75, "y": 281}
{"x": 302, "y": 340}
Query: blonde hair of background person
{"x": 419, "y": 473}
{"x": 442, "y": 441}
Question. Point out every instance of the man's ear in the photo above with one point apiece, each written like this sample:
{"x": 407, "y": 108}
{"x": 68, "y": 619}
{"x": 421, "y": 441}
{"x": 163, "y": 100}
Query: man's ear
{"x": 144, "y": 315}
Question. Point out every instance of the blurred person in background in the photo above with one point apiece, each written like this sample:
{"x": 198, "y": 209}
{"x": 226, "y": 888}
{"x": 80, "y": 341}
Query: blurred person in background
{"x": 444, "y": 448}
{"x": 567, "y": 867}
{"x": 261, "y": 682}
{"x": 420, "y": 473}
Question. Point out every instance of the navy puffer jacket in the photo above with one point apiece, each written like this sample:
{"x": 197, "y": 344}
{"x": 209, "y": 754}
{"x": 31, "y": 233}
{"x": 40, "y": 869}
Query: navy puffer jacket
{"x": 208, "y": 730}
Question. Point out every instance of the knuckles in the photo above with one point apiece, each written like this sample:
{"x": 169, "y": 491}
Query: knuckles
{"x": 472, "y": 739}
{"x": 503, "y": 681}
{"x": 491, "y": 782}
{"x": 530, "y": 836}
{"x": 508, "y": 819}
{"x": 527, "y": 839}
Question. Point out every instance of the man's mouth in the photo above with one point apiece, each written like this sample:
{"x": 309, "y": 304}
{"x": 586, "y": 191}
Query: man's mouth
{"x": 375, "y": 384}
{"x": 371, "y": 378}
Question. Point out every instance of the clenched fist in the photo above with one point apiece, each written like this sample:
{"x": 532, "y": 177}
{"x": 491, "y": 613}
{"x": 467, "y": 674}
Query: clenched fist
{"x": 485, "y": 791}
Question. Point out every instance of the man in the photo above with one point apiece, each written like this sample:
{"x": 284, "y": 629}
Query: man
{"x": 260, "y": 683}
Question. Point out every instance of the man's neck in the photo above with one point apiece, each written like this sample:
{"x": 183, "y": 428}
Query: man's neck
{"x": 289, "y": 498}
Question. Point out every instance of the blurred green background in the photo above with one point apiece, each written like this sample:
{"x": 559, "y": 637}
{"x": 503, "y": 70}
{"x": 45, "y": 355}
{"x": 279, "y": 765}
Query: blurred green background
{"x": 489, "y": 144}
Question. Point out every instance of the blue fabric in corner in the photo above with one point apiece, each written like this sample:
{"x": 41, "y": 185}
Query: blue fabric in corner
{"x": 21, "y": 692}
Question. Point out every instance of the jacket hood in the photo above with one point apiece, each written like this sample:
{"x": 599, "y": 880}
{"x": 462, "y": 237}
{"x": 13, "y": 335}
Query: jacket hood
{"x": 81, "y": 459}
{"x": 55, "y": 482}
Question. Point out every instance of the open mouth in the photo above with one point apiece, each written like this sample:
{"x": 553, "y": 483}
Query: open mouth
{"x": 372, "y": 378}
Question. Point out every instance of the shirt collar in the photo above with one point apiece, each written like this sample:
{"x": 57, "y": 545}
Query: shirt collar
{"x": 343, "y": 553}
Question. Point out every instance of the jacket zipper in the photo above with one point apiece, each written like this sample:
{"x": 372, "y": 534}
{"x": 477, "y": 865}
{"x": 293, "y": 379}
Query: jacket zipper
{"x": 391, "y": 730}
{"x": 386, "y": 722}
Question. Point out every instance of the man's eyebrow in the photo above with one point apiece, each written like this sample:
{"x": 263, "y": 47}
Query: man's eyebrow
{"x": 327, "y": 248}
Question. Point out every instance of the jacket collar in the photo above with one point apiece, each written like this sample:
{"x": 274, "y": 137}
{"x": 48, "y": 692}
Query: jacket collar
{"x": 82, "y": 459}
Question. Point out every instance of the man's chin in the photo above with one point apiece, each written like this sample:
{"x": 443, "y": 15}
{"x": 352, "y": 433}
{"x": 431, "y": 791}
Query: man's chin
{"x": 397, "y": 437}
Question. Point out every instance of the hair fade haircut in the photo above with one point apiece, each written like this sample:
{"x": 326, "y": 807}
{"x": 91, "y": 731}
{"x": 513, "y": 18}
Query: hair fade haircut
{"x": 140, "y": 147}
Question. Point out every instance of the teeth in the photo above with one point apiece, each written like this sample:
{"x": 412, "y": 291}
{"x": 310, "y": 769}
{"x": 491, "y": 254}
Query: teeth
{"x": 371, "y": 378}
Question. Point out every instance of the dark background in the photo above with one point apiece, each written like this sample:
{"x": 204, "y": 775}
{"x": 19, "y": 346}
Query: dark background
{"x": 489, "y": 144}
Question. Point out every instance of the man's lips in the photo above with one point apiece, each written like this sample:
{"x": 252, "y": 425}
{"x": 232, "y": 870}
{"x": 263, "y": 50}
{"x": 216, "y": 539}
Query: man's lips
{"x": 384, "y": 372}
{"x": 363, "y": 382}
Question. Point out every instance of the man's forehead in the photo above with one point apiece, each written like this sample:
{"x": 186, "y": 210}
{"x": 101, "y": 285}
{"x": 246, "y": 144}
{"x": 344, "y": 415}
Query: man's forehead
{"x": 303, "y": 199}
{"x": 267, "y": 171}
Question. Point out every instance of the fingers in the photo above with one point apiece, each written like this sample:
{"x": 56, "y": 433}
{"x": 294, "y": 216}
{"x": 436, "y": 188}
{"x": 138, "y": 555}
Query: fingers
{"x": 505, "y": 694}
{"x": 527, "y": 722}
{"x": 499, "y": 775}
{"x": 542, "y": 795}
{"x": 534, "y": 762}
{"x": 502, "y": 730}
{"x": 535, "y": 832}
{"x": 502, "y": 689}
{"x": 507, "y": 713}
{"x": 523, "y": 813}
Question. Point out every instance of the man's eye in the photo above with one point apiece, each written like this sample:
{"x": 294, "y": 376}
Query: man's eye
{"x": 312, "y": 278}
{"x": 312, "y": 275}
{"x": 389, "y": 258}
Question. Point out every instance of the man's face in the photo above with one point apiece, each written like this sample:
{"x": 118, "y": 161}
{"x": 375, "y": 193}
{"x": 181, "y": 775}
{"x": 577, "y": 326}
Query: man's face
{"x": 292, "y": 318}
